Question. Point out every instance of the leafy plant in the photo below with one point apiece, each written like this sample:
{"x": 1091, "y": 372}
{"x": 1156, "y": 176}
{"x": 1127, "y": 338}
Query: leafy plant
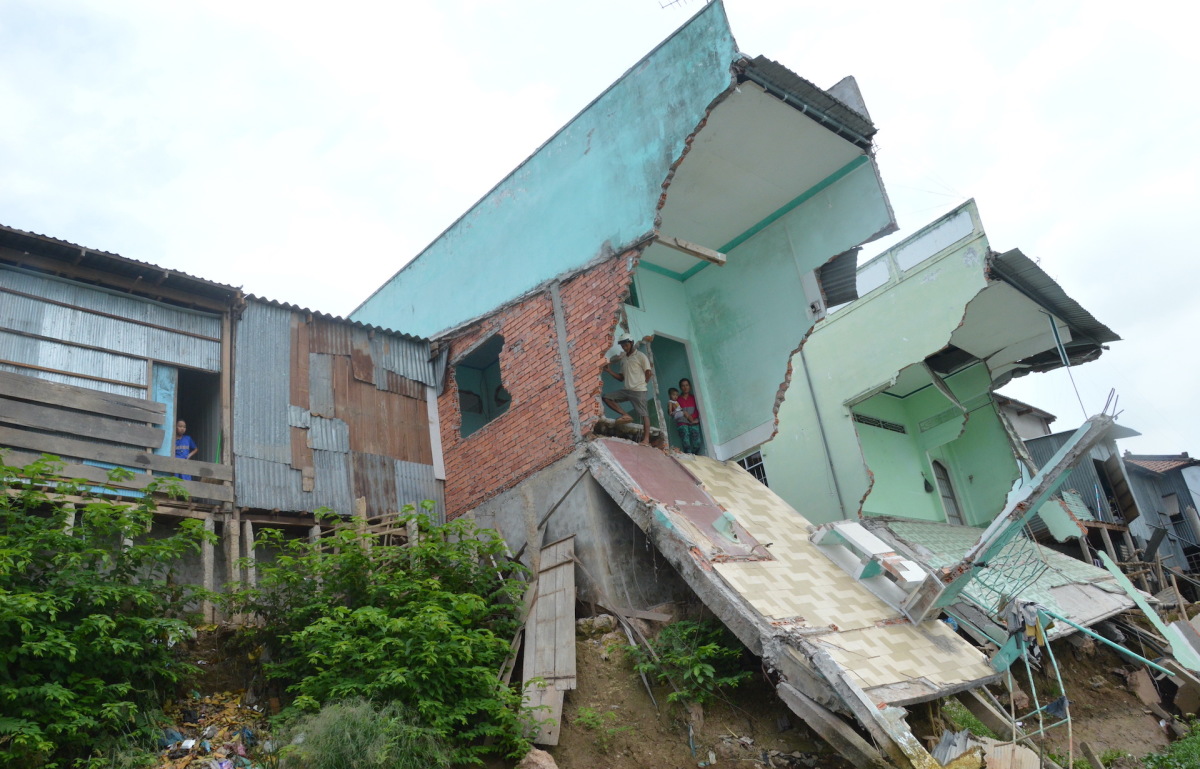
{"x": 1181, "y": 754}
{"x": 357, "y": 733}
{"x": 427, "y": 625}
{"x": 697, "y": 658}
{"x": 88, "y": 614}
{"x": 603, "y": 724}
{"x": 960, "y": 718}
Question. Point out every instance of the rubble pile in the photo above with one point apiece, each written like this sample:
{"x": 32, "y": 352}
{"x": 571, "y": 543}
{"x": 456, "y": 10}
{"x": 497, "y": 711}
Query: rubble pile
{"x": 214, "y": 732}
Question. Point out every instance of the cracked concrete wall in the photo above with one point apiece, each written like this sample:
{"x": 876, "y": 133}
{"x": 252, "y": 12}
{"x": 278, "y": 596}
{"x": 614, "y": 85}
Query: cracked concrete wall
{"x": 815, "y": 461}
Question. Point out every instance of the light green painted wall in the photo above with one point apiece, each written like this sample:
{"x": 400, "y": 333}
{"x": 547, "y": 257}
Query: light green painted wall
{"x": 856, "y": 351}
{"x": 747, "y": 317}
{"x": 897, "y": 461}
{"x": 594, "y": 185}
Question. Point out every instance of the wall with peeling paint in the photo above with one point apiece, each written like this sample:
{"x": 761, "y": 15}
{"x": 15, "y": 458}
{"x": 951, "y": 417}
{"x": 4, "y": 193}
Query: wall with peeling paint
{"x": 975, "y": 451}
{"x": 742, "y": 321}
{"x": 591, "y": 190}
{"x": 856, "y": 353}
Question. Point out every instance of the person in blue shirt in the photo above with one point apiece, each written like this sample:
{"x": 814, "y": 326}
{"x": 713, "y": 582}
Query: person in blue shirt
{"x": 185, "y": 447}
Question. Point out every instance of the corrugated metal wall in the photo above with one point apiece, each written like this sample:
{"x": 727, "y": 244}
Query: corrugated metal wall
{"x": 67, "y": 328}
{"x": 326, "y": 411}
{"x": 1083, "y": 478}
{"x": 1148, "y": 489}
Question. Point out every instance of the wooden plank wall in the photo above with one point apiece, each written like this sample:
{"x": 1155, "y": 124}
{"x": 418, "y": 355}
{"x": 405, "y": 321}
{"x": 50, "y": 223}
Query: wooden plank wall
{"x": 80, "y": 424}
{"x": 550, "y": 637}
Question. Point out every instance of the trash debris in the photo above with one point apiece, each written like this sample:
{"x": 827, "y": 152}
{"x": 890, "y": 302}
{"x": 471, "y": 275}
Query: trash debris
{"x": 214, "y": 732}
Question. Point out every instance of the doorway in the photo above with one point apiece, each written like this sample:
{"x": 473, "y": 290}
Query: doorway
{"x": 670, "y": 365}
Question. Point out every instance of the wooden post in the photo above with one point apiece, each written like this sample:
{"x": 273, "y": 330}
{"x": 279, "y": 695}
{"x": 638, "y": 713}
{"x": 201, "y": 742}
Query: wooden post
{"x": 207, "y": 562}
{"x": 1108, "y": 544}
{"x": 69, "y": 523}
{"x": 248, "y": 548}
{"x": 226, "y": 457}
{"x": 1142, "y": 583}
{"x": 233, "y": 545}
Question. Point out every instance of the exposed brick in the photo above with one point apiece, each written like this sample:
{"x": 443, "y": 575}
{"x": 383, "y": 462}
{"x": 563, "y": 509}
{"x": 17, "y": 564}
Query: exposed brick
{"x": 536, "y": 429}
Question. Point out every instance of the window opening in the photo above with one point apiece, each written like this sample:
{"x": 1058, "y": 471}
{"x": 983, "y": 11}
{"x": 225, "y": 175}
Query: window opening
{"x": 632, "y": 299}
{"x": 753, "y": 464}
{"x": 481, "y": 395}
{"x": 946, "y": 490}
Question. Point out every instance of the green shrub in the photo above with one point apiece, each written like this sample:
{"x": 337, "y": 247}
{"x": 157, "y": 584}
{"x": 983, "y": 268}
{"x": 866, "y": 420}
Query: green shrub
{"x": 1182, "y": 754}
{"x": 87, "y": 616}
{"x": 357, "y": 734}
{"x": 698, "y": 658}
{"x": 427, "y": 625}
{"x": 603, "y": 726}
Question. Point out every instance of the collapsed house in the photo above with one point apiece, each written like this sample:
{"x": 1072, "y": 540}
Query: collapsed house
{"x": 713, "y": 205}
{"x": 291, "y": 410}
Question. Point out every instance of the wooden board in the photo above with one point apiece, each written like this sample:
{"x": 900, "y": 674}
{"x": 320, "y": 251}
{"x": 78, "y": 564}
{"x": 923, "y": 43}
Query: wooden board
{"x": 38, "y": 417}
{"x": 68, "y": 396}
{"x": 100, "y": 452}
{"x": 99, "y": 475}
{"x": 550, "y": 634}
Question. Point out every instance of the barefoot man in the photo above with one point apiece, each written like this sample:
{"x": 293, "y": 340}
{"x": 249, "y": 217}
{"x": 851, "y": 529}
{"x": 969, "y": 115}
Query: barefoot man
{"x": 635, "y": 374}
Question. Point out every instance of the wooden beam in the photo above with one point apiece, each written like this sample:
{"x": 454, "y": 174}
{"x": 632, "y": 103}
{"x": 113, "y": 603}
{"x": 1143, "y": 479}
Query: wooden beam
{"x": 208, "y": 565}
{"x": 102, "y": 314}
{"x": 99, "y": 475}
{"x": 107, "y": 278}
{"x": 80, "y": 398}
{"x": 117, "y": 455}
{"x": 693, "y": 249}
{"x": 840, "y": 736}
{"x": 75, "y": 374}
{"x": 38, "y": 417}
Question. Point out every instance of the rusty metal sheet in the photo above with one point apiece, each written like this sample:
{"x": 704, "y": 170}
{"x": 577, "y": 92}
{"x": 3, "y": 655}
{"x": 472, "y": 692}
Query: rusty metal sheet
{"x": 299, "y": 373}
{"x": 395, "y": 383}
{"x": 383, "y": 423}
{"x": 362, "y": 364}
{"x": 661, "y": 478}
{"x": 326, "y": 336}
{"x": 374, "y": 477}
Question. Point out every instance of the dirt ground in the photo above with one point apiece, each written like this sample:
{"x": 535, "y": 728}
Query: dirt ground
{"x": 736, "y": 731}
{"x": 1104, "y": 713}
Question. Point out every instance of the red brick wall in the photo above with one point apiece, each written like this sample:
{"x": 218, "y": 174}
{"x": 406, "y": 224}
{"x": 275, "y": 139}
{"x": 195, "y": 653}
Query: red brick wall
{"x": 536, "y": 429}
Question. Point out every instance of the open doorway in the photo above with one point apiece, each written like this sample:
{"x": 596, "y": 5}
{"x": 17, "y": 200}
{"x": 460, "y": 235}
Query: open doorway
{"x": 671, "y": 365}
{"x": 198, "y": 402}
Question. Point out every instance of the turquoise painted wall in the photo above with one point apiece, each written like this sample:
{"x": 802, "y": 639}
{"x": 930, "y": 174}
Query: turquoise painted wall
{"x": 853, "y": 353}
{"x": 750, "y": 315}
{"x": 592, "y": 188}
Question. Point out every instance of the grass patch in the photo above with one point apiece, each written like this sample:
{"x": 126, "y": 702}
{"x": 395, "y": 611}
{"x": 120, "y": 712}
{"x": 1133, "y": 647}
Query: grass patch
{"x": 960, "y": 718}
{"x": 359, "y": 734}
{"x": 1183, "y": 754}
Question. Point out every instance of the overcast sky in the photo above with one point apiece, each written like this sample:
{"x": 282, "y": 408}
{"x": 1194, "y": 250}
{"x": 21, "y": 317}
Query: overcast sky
{"x": 305, "y": 150}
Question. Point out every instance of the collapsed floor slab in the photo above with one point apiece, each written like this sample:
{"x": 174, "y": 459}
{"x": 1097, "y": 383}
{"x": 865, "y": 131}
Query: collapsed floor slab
{"x": 818, "y": 629}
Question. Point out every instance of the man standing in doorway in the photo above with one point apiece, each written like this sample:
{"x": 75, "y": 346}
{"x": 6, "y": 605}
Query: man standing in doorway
{"x": 635, "y": 375}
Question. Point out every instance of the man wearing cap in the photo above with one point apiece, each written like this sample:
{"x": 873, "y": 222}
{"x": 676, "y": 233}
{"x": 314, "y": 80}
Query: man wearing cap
{"x": 635, "y": 374}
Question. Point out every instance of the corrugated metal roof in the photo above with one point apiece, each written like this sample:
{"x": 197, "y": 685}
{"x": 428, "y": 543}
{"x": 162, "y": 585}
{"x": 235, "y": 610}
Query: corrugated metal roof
{"x": 811, "y": 100}
{"x": 334, "y": 318}
{"x": 1089, "y": 334}
{"x": 82, "y": 256}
